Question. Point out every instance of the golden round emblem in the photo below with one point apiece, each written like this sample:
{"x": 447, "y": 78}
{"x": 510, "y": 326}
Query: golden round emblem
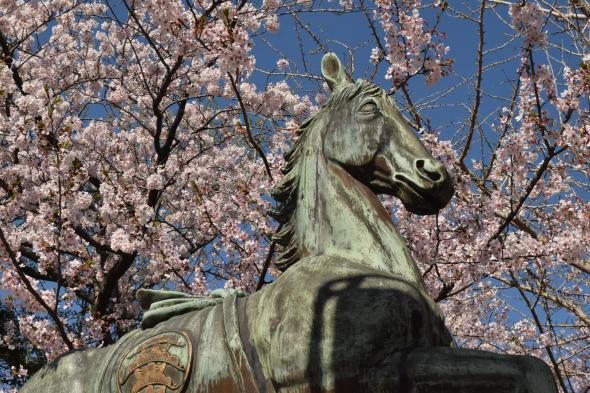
{"x": 158, "y": 364}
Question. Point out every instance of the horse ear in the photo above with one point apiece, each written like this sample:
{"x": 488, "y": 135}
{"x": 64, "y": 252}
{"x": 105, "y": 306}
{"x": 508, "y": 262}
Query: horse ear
{"x": 333, "y": 71}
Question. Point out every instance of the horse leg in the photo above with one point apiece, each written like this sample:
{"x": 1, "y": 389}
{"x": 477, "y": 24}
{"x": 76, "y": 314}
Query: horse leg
{"x": 454, "y": 370}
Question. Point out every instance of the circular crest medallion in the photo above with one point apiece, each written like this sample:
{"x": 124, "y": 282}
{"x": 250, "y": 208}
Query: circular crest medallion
{"x": 158, "y": 364}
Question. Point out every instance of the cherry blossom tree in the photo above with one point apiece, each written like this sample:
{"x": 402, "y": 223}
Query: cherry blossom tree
{"x": 134, "y": 153}
{"x": 138, "y": 148}
{"x": 508, "y": 259}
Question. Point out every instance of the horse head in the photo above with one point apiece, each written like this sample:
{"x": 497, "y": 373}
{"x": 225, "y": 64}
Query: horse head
{"x": 370, "y": 139}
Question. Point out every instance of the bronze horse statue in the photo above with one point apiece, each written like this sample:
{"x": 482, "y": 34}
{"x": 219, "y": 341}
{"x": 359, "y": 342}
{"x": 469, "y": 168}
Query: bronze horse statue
{"x": 350, "y": 312}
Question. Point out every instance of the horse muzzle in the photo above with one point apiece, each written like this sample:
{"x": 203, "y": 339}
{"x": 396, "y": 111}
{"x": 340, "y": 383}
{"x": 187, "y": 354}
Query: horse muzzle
{"x": 427, "y": 189}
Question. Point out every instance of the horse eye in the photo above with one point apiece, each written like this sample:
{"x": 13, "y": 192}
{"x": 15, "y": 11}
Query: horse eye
{"x": 368, "y": 107}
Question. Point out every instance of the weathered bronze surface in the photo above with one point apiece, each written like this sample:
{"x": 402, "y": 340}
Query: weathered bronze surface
{"x": 349, "y": 313}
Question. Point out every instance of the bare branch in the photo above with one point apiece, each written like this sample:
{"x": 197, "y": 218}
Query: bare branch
{"x": 475, "y": 109}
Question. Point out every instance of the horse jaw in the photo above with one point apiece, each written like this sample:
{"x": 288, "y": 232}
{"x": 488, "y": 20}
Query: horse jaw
{"x": 418, "y": 194}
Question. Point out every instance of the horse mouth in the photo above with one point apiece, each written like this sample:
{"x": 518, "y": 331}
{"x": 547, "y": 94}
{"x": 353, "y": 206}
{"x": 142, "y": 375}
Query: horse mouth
{"x": 417, "y": 199}
{"x": 423, "y": 200}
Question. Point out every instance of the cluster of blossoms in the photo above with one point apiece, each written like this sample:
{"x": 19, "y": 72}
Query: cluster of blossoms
{"x": 410, "y": 47}
{"x": 347, "y": 4}
{"x": 539, "y": 87}
{"x": 569, "y": 102}
{"x": 528, "y": 21}
{"x": 463, "y": 258}
{"x": 13, "y": 374}
{"x": 577, "y": 87}
{"x": 129, "y": 164}
{"x": 518, "y": 226}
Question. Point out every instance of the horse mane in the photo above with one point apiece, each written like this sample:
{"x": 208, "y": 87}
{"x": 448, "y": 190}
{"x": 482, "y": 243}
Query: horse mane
{"x": 286, "y": 192}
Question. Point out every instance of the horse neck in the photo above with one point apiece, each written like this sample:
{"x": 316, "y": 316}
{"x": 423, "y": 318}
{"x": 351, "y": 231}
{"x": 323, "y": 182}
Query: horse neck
{"x": 339, "y": 216}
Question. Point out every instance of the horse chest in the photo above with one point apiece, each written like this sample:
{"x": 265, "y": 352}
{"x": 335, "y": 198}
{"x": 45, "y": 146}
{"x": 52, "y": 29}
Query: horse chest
{"x": 344, "y": 318}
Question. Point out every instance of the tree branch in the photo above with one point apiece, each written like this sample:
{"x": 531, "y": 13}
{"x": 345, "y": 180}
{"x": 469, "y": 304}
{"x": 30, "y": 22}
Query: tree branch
{"x": 111, "y": 279}
{"x": 547, "y": 11}
{"x": 572, "y": 307}
{"x": 50, "y": 311}
{"x": 247, "y": 125}
{"x": 475, "y": 110}
{"x": 7, "y": 58}
{"x": 265, "y": 266}
{"x": 101, "y": 248}
{"x": 538, "y": 175}
{"x": 541, "y": 330}
{"x": 156, "y": 104}
{"x": 583, "y": 6}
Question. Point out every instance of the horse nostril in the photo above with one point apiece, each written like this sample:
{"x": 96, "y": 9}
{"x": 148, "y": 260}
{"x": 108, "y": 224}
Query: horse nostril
{"x": 429, "y": 170}
{"x": 434, "y": 176}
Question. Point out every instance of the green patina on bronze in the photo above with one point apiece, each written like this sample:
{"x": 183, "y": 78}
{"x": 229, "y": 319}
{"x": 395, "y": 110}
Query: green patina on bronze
{"x": 349, "y": 313}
